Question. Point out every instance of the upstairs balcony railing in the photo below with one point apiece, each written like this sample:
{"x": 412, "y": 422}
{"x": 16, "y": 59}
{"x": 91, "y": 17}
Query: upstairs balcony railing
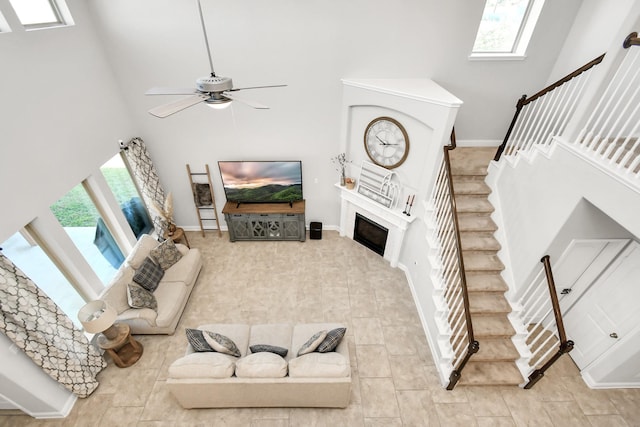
{"x": 610, "y": 136}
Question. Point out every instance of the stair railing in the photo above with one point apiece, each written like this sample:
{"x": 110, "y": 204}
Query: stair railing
{"x": 454, "y": 281}
{"x": 540, "y": 313}
{"x": 610, "y": 135}
{"x": 541, "y": 116}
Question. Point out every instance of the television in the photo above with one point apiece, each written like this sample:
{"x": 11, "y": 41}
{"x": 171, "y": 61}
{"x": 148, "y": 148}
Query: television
{"x": 261, "y": 181}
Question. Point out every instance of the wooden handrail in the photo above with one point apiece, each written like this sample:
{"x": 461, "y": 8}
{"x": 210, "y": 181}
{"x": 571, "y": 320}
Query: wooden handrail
{"x": 631, "y": 40}
{"x": 565, "y": 345}
{"x": 473, "y": 346}
{"x": 524, "y": 100}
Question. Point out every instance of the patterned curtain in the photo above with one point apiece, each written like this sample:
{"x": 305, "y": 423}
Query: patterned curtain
{"x": 146, "y": 177}
{"x": 37, "y": 326}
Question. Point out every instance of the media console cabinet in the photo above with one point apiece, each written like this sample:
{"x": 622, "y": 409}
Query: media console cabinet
{"x": 265, "y": 221}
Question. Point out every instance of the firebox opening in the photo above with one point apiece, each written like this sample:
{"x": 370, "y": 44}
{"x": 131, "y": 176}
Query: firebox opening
{"x": 370, "y": 234}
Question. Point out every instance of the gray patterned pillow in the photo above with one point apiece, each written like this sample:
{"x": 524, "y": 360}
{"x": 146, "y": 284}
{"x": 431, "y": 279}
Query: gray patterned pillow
{"x": 139, "y": 297}
{"x": 148, "y": 275}
{"x": 221, "y": 344}
{"x": 165, "y": 254}
{"x": 332, "y": 340}
{"x": 312, "y": 343}
{"x": 258, "y": 348}
{"x": 197, "y": 341}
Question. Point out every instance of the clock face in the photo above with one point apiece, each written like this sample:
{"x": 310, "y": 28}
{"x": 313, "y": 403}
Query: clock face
{"x": 386, "y": 142}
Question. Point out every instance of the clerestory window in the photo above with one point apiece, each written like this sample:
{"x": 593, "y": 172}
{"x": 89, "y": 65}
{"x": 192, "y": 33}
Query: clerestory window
{"x": 506, "y": 28}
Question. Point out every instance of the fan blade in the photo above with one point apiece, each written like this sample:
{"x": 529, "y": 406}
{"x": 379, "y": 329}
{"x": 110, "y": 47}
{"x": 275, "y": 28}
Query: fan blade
{"x": 249, "y": 103}
{"x": 170, "y": 91}
{"x": 165, "y": 110}
{"x": 254, "y": 87}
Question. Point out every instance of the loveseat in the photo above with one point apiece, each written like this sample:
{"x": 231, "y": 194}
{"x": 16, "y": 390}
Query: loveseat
{"x": 209, "y": 379}
{"x": 171, "y": 293}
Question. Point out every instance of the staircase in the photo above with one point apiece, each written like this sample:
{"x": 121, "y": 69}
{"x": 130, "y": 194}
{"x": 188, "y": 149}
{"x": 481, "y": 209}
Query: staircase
{"x": 494, "y": 364}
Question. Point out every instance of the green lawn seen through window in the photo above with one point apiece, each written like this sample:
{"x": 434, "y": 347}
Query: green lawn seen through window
{"x": 75, "y": 209}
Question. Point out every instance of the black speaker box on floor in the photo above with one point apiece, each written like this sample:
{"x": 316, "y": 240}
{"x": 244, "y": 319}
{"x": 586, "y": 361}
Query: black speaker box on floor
{"x": 315, "y": 230}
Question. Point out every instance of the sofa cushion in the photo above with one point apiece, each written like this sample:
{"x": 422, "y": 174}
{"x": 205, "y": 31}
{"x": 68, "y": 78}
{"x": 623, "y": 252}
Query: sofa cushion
{"x": 332, "y": 340}
{"x": 261, "y": 365}
{"x": 221, "y": 343}
{"x": 275, "y": 334}
{"x": 165, "y": 254}
{"x": 116, "y": 292}
{"x": 203, "y": 365}
{"x": 258, "y": 348}
{"x": 186, "y": 269}
{"x": 170, "y": 297}
{"x": 312, "y": 343}
{"x": 148, "y": 275}
{"x": 141, "y": 250}
{"x": 319, "y": 365}
{"x": 139, "y": 297}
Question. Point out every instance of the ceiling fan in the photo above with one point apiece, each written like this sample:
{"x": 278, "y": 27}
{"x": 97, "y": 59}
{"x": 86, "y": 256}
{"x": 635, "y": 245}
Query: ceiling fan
{"x": 213, "y": 90}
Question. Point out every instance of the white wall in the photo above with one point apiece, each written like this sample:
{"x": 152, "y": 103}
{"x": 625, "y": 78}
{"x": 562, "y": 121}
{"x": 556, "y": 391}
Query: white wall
{"x": 542, "y": 208}
{"x": 593, "y": 31}
{"x": 310, "y": 46}
{"x": 61, "y": 114}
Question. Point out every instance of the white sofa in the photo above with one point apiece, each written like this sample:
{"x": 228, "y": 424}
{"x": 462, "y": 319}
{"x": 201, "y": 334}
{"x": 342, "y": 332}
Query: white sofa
{"x": 171, "y": 294}
{"x": 211, "y": 380}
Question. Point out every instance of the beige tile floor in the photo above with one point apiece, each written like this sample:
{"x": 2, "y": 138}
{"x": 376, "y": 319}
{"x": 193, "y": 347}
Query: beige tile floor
{"x": 394, "y": 379}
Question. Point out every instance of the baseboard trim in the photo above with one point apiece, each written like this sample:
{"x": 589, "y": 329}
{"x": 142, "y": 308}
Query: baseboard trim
{"x": 478, "y": 142}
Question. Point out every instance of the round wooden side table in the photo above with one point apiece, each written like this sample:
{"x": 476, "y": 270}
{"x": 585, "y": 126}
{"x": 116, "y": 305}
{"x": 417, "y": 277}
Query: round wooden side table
{"x": 123, "y": 349}
{"x": 178, "y": 236}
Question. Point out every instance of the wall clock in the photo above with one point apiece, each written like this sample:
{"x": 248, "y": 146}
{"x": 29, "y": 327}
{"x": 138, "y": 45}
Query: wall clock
{"x": 386, "y": 142}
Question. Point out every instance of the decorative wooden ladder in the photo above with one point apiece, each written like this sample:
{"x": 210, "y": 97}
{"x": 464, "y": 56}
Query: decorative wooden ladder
{"x": 199, "y": 190}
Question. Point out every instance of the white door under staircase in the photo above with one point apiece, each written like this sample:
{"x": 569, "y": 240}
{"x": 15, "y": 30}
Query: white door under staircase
{"x": 607, "y": 311}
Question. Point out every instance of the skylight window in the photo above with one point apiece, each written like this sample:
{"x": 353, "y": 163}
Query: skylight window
{"x": 4, "y": 26}
{"x": 506, "y": 28}
{"x": 35, "y": 14}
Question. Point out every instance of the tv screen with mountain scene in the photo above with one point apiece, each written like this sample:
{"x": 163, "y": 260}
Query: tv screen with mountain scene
{"x": 261, "y": 181}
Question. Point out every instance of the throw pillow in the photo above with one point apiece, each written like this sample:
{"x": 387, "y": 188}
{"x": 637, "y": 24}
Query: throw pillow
{"x": 202, "y": 194}
{"x": 165, "y": 254}
{"x": 312, "y": 343}
{"x": 197, "y": 341}
{"x": 259, "y": 348}
{"x": 332, "y": 340}
{"x": 139, "y": 297}
{"x": 221, "y": 344}
{"x": 148, "y": 275}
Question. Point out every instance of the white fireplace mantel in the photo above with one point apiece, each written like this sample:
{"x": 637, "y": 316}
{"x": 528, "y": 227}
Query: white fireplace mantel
{"x": 393, "y": 219}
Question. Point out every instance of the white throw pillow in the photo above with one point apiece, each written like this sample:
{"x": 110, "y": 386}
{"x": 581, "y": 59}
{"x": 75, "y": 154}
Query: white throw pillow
{"x": 319, "y": 365}
{"x": 261, "y": 365}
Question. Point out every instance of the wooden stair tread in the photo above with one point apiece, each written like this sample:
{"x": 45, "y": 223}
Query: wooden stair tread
{"x": 481, "y": 261}
{"x": 473, "y": 203}
{"x": 490, "y": 373}
{"x": 478, "y": 241}
{"x": 492, "y": 326}
{"x": 476, "y": 222}
{"x": 481, "y": 281}
{"x": 482, "y": 303}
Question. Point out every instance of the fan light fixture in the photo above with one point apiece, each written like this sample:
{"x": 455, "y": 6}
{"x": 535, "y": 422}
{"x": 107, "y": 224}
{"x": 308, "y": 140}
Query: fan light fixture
{"x": 218, "y": 104}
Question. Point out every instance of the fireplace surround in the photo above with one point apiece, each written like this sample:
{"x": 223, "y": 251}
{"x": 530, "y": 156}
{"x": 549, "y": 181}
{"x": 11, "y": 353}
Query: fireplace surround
{"x": 393, "y": 220}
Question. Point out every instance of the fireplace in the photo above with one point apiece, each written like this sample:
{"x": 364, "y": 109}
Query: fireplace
{"x": 370, "y": 234}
